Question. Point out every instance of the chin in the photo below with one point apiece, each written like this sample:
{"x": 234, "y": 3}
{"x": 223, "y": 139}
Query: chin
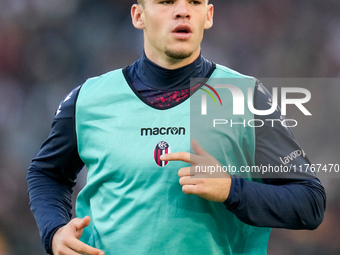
{"x": 178, "y": 54}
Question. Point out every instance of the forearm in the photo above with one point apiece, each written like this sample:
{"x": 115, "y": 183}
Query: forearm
{"x": 50, "y": 203}
{"x": 298, "y": 204}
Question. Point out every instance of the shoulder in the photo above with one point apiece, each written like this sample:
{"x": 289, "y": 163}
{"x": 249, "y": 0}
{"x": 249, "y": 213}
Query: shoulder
{"x": 230, "y": 73}
{"x": 102, "y": 80}
{"x": 233, "y": 79}
{"x": 66, "y": 106}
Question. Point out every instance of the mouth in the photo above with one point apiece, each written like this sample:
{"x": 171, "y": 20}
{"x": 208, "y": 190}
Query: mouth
{"x": 182, "y": 29}
{"x": 182, "y": 32}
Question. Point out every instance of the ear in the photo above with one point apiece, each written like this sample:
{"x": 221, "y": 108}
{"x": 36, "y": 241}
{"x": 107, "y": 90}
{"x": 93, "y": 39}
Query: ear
{"x": 137, "y": 16}
{"x": 210, "y": 14}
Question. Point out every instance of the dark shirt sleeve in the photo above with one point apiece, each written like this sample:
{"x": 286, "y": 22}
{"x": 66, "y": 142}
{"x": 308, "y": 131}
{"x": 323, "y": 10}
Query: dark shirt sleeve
{"x": 294, "y": 199}
{"x": 52, "y": 173}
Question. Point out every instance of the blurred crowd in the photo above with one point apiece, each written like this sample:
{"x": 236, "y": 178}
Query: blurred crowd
{"x": 48, "y": 47}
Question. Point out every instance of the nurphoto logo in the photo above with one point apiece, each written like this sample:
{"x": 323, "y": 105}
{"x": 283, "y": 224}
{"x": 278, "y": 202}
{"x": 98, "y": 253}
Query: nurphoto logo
{"x": 295, "y": 96}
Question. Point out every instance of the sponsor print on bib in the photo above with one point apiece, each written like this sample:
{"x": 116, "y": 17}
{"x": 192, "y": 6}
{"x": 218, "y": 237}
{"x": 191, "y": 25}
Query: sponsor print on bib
{"x": 161, "y": 148}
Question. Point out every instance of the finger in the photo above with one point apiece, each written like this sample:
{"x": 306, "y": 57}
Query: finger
{"x": 185, "y": 171}
{"x": 81, "y": 247}
{"x": 72, "y": 246}
{"x": 187, "y": 180}
{"x": 190, "y": 189}
{"x": 198, "y": 149}
{"x": 180, "y": 156}
{"x": 65, "y": 250}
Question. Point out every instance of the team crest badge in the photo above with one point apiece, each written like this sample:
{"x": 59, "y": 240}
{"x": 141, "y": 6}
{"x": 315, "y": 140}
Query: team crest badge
{"x": 161, "y": 148}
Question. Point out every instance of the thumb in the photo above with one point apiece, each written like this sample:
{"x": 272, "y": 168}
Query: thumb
{"x": 83, "y": 223}
{"x": 80, "y": 224}
{"x": 198, "y": 149}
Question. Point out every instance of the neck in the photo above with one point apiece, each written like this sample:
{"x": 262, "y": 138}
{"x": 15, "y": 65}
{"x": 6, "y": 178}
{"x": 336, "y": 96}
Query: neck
{"x": 146, "y": 72}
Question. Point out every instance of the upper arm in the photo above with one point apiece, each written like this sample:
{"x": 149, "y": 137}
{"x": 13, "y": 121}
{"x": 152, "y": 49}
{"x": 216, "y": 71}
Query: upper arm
{"x": 58, "y": 156}
{"x": 276, "y": 144}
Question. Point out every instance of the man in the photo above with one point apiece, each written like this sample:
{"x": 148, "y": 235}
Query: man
{"x": 134, "y": 202}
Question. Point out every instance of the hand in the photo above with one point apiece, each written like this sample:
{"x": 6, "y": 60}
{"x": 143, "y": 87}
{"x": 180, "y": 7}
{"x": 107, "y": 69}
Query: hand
{"x": 66, "y": 239}
{"x": 201, "y": 183}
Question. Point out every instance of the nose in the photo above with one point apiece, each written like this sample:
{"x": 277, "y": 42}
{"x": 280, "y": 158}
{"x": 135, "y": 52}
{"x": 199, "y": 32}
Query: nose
{"x": 182, "y": 10}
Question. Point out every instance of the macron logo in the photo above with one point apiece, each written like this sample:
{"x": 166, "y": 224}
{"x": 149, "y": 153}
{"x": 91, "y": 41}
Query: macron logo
{"x": 162, "y": 131}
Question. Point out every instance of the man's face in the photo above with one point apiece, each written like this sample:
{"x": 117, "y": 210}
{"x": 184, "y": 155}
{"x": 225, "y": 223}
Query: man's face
{"x": 173, "y": 30}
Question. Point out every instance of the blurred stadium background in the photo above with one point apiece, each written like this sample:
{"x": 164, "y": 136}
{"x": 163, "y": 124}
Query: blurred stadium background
{"x": 48, "y": 47}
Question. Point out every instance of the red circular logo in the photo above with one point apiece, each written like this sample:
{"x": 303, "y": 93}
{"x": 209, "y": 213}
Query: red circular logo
{"x": 161, "y": 148}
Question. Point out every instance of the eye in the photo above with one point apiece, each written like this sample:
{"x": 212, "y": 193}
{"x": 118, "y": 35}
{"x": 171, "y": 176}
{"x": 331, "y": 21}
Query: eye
{"x": 196, "y": 2}
{"x": 167, "y": 2}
